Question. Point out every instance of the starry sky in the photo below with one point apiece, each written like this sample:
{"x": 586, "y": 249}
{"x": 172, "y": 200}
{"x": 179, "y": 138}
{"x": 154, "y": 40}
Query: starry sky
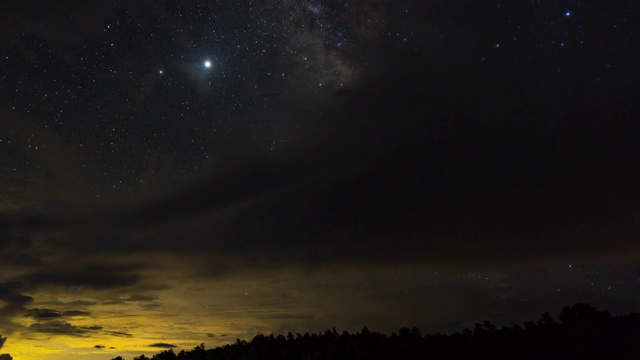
{"x": 176, "y": 173}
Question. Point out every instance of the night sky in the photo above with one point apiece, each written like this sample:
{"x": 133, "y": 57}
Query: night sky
{"x": 183, "y": 172}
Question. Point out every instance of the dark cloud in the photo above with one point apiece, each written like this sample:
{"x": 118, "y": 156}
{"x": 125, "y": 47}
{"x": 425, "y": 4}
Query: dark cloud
{"x": 230, "y": 181}
{"x": 75, "y": 313}
{"x": 56, "y": 327}
{"x": 400, "y": 192}
{"x": 73, "y": 303}
{"x": 93, "y": 276}
{"x": 163, "y": 345}
{"x": 17, "y": 229}
{"x": 99, "y": 347}
{"x": 92, "y": 328}
{"x": 118, "y": 333}
{"x": 2, "y": 341}
{"x": 12, "y": 221}
{"x": 13, "y": 301}
{"x": 49, "y": 313}
{"x": 43, "y": 313}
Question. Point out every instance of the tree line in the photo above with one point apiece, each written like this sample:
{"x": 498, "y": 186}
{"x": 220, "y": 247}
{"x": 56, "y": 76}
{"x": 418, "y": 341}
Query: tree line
{"x": 580, "y": 332}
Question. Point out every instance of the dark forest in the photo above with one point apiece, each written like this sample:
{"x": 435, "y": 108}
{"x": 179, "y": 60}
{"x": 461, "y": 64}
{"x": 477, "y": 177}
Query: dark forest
{"x": 580, "y": 332}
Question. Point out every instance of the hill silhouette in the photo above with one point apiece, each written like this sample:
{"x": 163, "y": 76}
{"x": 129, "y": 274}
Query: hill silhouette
{"x": 580, "y": 332}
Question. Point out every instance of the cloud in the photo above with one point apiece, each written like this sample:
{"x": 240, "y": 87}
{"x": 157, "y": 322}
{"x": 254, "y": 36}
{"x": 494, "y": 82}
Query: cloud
{"x": 75, "y": 303}
{"x": 231, "y": 180}
{"x": 92, "y": 328}
{"x": 163, "y": 345}
{"x": 11, "y": 300}
{"x": 75, "y": 313}
{"x": 99, "y": 347}
{"x": 56, "y": 327}
{"x": 93, "y": 276}
{"x": 118, "y": 333}
{"x": 2, "y": 341}
{"x": 142, "y": 298}
{"x": 20, "y": 219}
{"x": 43, "y": 313}
{"x": 50, "y": 313}
{"x": 144, "y": 301}
{"x": 17, "y": 228}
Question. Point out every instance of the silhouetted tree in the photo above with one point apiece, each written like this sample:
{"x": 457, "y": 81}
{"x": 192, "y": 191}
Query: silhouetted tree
{"x": 583, "y": 332}
{"x": 165, "y": 355}
{"x": 546, "y": 321}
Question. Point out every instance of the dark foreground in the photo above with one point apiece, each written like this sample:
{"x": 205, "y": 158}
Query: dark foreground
{"x": 581, "y": 332}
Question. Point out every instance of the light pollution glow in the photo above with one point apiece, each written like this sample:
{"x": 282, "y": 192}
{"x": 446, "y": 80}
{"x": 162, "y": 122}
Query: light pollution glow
{"x": 187, "y": 311}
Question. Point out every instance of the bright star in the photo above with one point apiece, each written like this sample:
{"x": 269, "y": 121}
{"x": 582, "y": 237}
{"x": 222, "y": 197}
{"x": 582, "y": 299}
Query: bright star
{"x": 207, "y": 64}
